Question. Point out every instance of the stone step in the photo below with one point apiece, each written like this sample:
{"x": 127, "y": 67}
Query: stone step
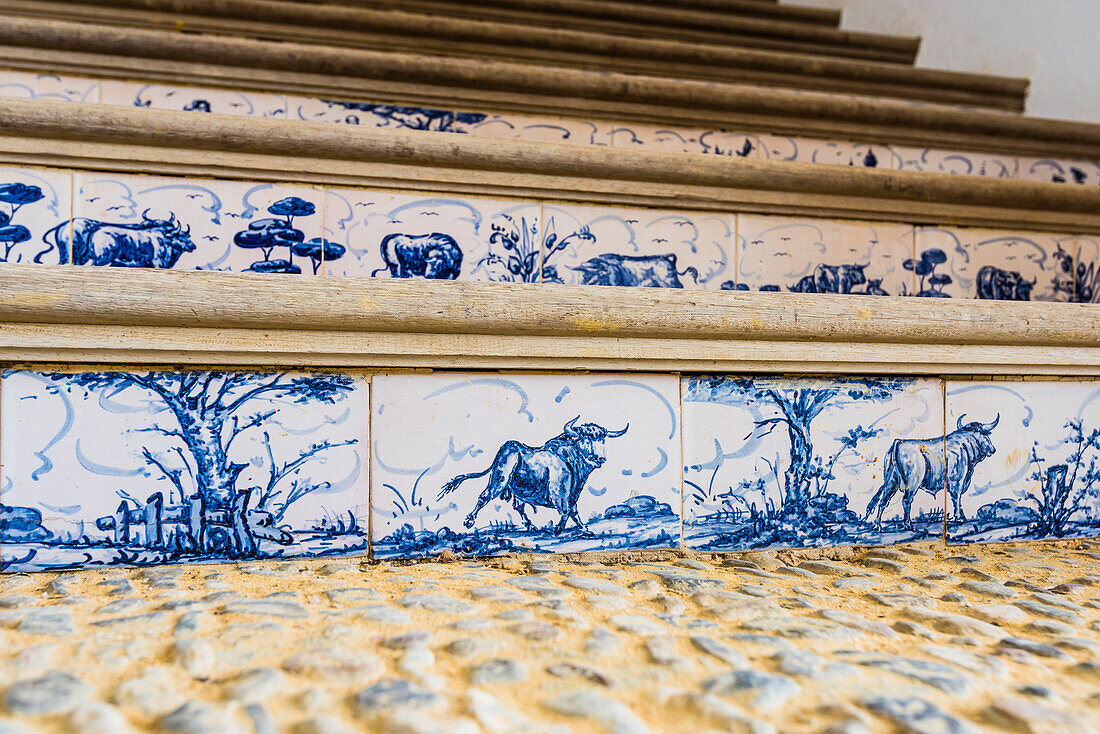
{"x": 644, "y": 20}
{"x": 498, "y": 99}
{"x": 544, "y": 48}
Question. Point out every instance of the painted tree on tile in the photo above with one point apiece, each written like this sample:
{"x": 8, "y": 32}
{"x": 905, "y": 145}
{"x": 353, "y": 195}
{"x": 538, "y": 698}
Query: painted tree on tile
{"x": 796, "y": 408}
{"x": 15, "y": 195}
{"x": 210, "y": 410}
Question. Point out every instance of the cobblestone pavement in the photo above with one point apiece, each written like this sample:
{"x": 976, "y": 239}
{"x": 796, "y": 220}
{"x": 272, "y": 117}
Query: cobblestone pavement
{"x": 931, "y": 641}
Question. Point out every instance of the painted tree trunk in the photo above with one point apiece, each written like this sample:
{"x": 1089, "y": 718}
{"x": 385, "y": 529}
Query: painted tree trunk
{"x": 796, "y": 482}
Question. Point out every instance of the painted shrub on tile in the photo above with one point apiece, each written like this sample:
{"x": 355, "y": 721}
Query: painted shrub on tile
{"x": 488, "y": 464}
{"x": 585, "y": 245}
{"x": 1043, "y": 481}
{"x": 795, "y": 462}
{"x": 104, "y": 468}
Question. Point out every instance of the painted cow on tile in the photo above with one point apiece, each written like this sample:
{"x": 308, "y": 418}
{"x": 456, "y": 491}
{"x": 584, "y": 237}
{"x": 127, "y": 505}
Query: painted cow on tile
{"x": 650, "y": 271}
{"x": 832, "y": 279}
{"x": 150, "y": 243}
{"x": 552, "y": 475}
{"x": 931, "y": 464}
{"x": 1003, "y": 285}
{"x": 436, "y": 256}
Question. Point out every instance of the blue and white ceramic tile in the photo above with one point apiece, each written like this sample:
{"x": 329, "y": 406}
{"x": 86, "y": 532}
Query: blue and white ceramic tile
{"x": 108, "y": 468}
{"x": 542, "y": 129}
{"x": 823, "y": 256}
{"x": 929, "y": 160}
{"x": 590, "y": 245}
{"x": 802, "y": 462}
{"x": 687, "y": 140}
{"x": 1023, "y": 460}
{"x": 484, "y": 464}
{"x": 379, "y": 234}
{"x": 1060, "y": 171}
{"x": 48, "y": 86}
{"x": 35, "y": 206}
{"x": 372, "y": 114}
{"x": 809, "y": 150}
{"x": 194, "y": 224}
{"x": 194, "y": 99}
{"x": 992, "y": 265}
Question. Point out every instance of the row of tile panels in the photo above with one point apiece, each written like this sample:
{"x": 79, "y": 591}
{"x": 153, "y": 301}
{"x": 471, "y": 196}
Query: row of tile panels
{"x": 110, "y": 468}
{"x": 752, "y": 145}
{"x": 54, "y": 217}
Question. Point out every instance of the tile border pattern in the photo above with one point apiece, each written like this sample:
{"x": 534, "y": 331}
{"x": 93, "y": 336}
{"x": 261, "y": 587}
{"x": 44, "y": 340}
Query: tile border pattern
{"x": 964, "y": 446}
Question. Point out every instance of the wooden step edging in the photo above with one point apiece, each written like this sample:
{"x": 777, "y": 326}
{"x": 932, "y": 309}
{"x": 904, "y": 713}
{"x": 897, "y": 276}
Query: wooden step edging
{"x": 672, "y": 23}
{"x": 132, "y": 140}
{"x": 150, "y": 317}
{"x": 456, "y": 38}
{"x": 490, "y": 86}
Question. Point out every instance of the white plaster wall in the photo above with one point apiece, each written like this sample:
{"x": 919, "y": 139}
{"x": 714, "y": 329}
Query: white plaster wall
{"x": 1054, "y": 43}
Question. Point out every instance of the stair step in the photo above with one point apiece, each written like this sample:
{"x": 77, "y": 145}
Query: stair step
{"x": 561, "y": 49}
{"x": 595, "y": 8}
{"x": 651, "y": 113}
{"x": 670, "y": 24}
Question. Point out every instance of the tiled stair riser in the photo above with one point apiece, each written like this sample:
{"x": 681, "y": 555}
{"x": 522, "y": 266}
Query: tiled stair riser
{"x": 640, "y": 136}
{"x": 136, "y": 467}
{"x": 59, "y": 217}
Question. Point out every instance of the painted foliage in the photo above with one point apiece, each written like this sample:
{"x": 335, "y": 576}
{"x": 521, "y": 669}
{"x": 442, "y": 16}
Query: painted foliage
{"x": 797, "y": 462}
{"x": 1043, "y": 481}
{"x": 33, "y": 203}
{"x": 103, "y": 468}
{"x": 488, "y": 464}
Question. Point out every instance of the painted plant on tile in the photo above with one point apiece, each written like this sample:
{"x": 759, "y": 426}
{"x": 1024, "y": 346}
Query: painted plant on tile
{"x": 105, "y": 468}
{"x": 1042, "y": 476}
{"x": 774, "y": 462}
{"x": 487, "y": 464}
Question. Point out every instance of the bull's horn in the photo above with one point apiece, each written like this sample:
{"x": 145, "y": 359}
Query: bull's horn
{"x": 959, "y": 423}
{"x": 145, "y": 215}
{"x": 569, "y": 426}
{"x": 616, "y": 434}
{"x": 990, "y": 426}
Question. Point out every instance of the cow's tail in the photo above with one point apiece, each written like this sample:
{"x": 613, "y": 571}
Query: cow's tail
{"x": 889, "y": 481}
{"x": 689, "y": 271}
{"x": 54, "y": 234}
{"x": 453, "y": 484}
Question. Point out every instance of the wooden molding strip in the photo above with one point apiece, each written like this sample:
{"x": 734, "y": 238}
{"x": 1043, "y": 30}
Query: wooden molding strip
{"x": 47, "y": 47}
{"x": 641, "y": 20}
{"x": 127, "y": 139}
{"x": 327, "y": 26}
{"x": 754, "y": 8}
{"x": 122, "y": 316}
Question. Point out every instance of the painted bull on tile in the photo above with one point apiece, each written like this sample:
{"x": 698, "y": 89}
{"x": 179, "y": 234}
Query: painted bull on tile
{"x": 1003, "y": 285}
{"x": 150, "y": 243}
{"x": 436, "y": 256}
{"x": 552, "y": 475}
{"x": 833, "y": 279}
{"x": 931, "y": 464}
{"x": 651, "y": 271}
